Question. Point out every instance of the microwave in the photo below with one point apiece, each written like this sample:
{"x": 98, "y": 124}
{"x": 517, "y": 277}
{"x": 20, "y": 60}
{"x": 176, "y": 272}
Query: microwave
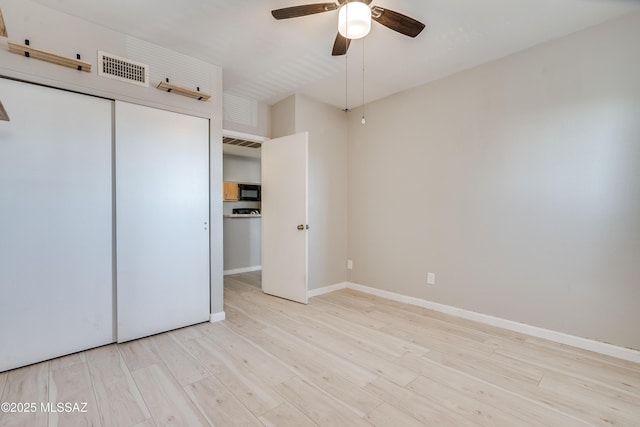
{"x": 249, "y": 192}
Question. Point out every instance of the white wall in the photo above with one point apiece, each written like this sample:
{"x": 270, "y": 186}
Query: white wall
{"x": 327, "y": 182}
{"x": 246, "y": 116}
{"x": 283, "y": 117}
{"x": 241, "y": 169}
{"x": 242, "y": 243}
{"x": 327, "y": 190}
{"x": 67, "y": 35}
{"x": 516, "y": 182}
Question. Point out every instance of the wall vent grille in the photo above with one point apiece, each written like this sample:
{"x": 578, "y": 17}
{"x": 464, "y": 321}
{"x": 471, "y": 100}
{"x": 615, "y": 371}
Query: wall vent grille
{"x": 123, "y": 69}
{"x": 240, "y": 110}
{"x": 241, "y": 142}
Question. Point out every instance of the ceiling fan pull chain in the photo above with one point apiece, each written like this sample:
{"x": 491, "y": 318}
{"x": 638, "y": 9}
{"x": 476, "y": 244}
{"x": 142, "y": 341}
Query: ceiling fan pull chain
{"x": 346, "y": 74}
{"x": 363, "y": 119}
{"x": 346, "y": 83}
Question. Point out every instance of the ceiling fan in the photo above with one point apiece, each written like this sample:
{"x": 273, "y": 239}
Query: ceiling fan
{"x": 354, "y": 20}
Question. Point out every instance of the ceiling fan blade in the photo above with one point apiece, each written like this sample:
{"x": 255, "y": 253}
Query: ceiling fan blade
{"x": 341, "y": 45}
{"x": 397, "y": 21}
{"x": 3, "y": 113}
{"x": 3, "y": 29}
{"x": 304, "y": 10}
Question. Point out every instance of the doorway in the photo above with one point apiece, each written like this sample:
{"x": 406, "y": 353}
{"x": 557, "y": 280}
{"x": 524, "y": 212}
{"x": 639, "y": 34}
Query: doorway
{"x": 242, "y": 222}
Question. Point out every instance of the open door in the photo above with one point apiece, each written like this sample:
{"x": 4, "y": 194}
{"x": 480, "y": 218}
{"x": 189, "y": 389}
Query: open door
{"x": 285, "y": 217}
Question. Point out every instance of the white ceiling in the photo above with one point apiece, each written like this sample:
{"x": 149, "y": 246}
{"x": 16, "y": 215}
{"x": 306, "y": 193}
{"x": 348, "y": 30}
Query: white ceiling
{"x": 267, "y": 60}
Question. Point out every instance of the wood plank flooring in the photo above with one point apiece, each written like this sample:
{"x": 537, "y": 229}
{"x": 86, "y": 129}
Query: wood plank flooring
{"x": 345, "y": 359}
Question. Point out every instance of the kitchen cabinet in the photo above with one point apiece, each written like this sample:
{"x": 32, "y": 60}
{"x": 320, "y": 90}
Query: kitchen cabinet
{"x": 230, "y": 191}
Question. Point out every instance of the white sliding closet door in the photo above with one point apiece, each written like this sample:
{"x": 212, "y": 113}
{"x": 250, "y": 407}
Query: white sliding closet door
{"x": 162, "y": 216}
{"x": 56, "y": 238}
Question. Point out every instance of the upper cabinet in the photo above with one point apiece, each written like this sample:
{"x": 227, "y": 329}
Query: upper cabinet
{"x": 241, "y": 169}
{"x": 230, "y": 191}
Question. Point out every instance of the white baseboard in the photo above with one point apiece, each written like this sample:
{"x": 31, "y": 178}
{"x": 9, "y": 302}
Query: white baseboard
{"x": 326, "y": 289}
{"x": 559, "y": 337}
{"x": 242, "y": 270}
{"x": 217, "y": 317}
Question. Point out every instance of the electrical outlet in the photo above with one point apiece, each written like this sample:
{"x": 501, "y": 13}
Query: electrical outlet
{"x": 431, "y": 279}
{"x": 350, "y": 264}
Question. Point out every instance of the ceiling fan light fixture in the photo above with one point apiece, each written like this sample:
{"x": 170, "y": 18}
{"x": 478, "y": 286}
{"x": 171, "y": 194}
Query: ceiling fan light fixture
{"x": 354, "y": 20}
{"x": 3, "y": 113}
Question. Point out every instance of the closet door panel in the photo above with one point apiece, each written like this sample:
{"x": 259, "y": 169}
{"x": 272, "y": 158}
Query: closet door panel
{"x": 162, "y": 211}
{"x": 56, "y": 238}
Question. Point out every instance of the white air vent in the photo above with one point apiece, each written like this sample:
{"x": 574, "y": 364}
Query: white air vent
{"x": 241, "y": 142}
{"x": 123, "y": 69}
{"x": 240, "y": 110}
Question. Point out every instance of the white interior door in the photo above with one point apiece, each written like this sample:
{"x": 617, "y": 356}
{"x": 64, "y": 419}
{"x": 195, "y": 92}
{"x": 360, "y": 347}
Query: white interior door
{"x": 56, "y": 234}
{"x": 285, "y": 217}
{"x": 162, "y": 212}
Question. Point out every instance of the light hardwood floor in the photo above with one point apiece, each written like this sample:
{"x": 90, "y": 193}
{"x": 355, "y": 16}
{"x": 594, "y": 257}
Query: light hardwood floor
{"x": 346, "y": 359}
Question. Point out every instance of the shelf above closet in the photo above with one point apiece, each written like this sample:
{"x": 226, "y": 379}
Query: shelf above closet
{"x": 43, "y": 55}
{"x": 180, "y": 90}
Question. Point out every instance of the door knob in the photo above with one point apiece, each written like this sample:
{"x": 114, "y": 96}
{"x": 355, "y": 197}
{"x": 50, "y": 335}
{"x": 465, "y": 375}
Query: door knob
{"x": 300, "y": 227}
